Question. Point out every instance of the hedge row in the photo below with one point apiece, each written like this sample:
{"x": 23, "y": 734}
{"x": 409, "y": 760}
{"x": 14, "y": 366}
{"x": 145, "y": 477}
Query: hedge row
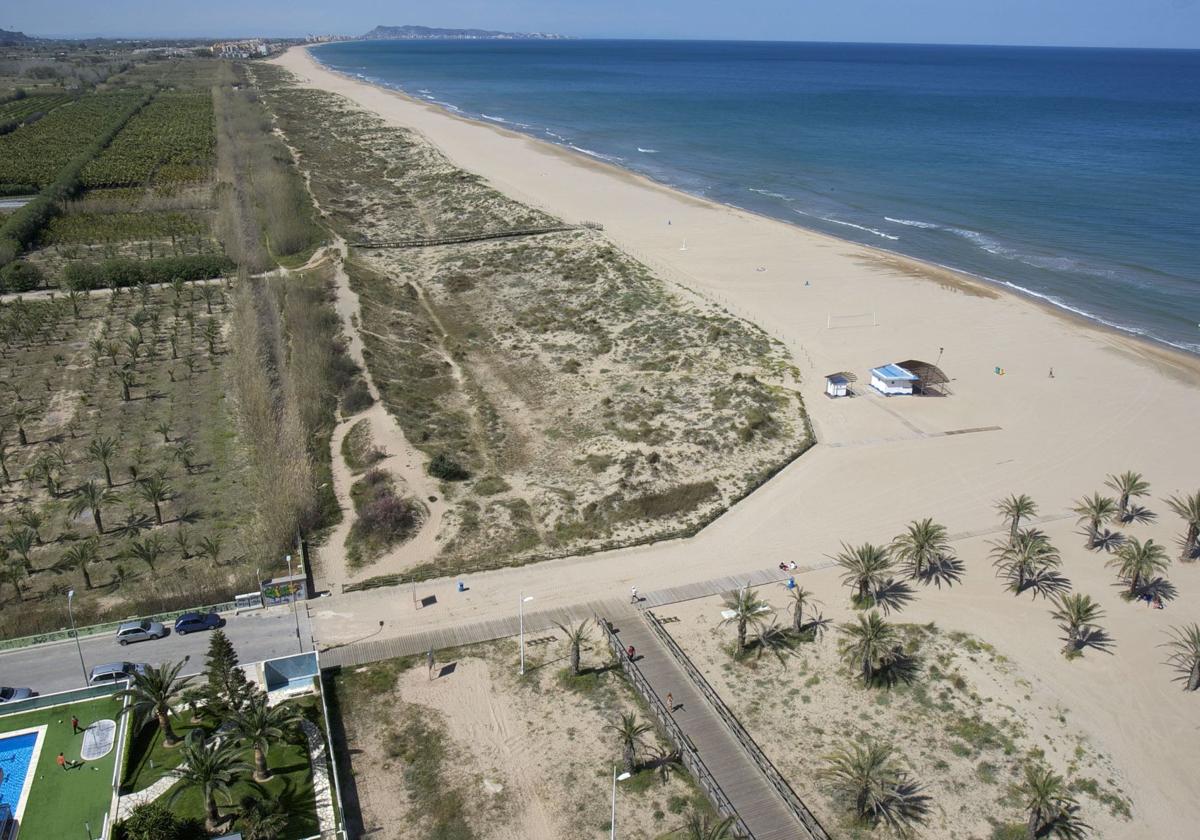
{"x": 127, "y": 272}
{"x": 21, "y": 228}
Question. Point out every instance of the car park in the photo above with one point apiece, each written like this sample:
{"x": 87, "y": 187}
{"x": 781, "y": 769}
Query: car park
{"x": 8, "y": 694}
{"x": 140, "y": 631}
{"x": 114, "y": 672}
{"x": 193, "y": 621}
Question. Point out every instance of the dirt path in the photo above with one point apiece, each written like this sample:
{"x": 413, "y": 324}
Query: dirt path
{"x": 404, "y": 461}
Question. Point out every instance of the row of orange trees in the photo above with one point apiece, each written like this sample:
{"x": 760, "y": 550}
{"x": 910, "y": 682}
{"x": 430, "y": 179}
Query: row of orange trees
{"x": 170, "y": 141}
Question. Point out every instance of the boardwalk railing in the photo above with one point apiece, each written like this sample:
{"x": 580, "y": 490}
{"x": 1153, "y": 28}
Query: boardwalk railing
{"x": 688, "y": 753}
{"x": 466, "y": 237}
{"x": 793, "y": 802}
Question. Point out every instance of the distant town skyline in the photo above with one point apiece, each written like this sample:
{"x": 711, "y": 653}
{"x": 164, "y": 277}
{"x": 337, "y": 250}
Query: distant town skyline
{"x": 1115, "y": 23}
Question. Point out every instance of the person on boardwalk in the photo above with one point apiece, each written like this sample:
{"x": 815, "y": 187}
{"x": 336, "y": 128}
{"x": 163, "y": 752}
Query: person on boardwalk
{"x": 633, "y": 596}
{"x": 670, "y": 702}
{"x": 630, "y": 652}
{"x": 75, "y": 727}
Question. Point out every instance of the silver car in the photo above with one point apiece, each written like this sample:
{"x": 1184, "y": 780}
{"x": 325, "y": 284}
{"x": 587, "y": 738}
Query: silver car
{"x": 115, "y": 672}
{"x": 7, "y": 693}
{"x": 140, "y": 631}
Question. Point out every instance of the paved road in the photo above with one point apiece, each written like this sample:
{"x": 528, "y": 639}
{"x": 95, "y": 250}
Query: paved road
{"x": 258, "y": 635}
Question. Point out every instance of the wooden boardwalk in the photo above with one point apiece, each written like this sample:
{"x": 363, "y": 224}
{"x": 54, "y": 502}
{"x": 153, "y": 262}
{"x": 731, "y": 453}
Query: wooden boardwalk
{"x": 429, "y": 242}
{"x": 758, "y": 806}
{"x": 360, "y": 653}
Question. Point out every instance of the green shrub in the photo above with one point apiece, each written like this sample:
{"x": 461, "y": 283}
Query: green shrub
{"x": 20, "y": 276}
{"x": 155, "y": 821}
{"x": 447, "y": 469}
{"x": 357, "y": 398}
{"x": 82, "y": 276}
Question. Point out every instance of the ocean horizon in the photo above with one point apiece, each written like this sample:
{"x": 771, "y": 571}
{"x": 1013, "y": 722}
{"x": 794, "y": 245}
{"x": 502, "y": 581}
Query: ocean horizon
{"x": 1071, "y": 175}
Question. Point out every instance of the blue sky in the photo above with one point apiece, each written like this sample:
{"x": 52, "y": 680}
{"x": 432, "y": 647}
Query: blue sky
{"x": 1134, "y": 23}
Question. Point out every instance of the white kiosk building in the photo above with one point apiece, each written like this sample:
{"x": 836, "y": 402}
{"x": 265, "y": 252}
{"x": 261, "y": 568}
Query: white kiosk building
{"x": 892, "y": 380}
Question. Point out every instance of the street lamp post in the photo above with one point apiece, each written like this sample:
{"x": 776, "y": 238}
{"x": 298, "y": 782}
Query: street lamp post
{"x": 295, "y": 614}
{"x": 71, "y": 613}
{"x": 613, "y": 832}
{"x": 521, "y": 613}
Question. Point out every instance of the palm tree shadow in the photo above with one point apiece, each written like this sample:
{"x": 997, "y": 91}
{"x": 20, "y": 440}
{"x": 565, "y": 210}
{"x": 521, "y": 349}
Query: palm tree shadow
{"x": 1108, "y": 540}
{"x": 1045, "y": 582}
{"x": 899, "y": 667}
{"x": 1096, "y": 638}
{"x": 892, "y": 595}
{"x": 1139, "y": 514}
{"x": 1158, "y": 588}
{"x": 947, "y": 570}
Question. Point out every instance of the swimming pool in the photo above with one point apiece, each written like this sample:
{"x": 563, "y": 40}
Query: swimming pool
{"x": 18, "y": 754}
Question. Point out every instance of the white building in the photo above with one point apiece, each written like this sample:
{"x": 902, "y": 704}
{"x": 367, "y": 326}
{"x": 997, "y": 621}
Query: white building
{"x": 892, "y": 380}
{"x": 837, "y": 385}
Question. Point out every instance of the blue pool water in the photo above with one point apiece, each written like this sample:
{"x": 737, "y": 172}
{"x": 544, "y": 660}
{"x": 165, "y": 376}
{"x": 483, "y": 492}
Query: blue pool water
{"x": 16, "y": 751}
{"x": 1069, "y": 174}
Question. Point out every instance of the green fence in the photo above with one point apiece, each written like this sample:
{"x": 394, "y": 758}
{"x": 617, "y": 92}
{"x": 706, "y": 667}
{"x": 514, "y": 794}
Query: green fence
{"x": 107, "y": 627}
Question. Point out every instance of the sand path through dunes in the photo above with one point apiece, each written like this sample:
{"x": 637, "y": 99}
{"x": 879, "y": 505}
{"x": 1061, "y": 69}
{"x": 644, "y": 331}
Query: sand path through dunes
{"x": 1113, "y": 404}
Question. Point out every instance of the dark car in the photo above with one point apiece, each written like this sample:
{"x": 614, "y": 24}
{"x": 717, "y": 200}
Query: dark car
{"x": 193, "y": 621}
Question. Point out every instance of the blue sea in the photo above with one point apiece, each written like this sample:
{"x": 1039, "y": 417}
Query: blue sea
{"x": 1069, "y": 174}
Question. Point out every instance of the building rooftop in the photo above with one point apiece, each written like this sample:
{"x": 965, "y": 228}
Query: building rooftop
{"x": 893, "y": 372}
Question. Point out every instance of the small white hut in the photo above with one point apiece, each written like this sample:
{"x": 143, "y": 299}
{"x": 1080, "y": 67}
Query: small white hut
{"x": 892, "y": 380}
{"x": 837, "y": 385}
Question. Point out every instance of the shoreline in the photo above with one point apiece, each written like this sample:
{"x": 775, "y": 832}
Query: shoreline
{"x": 1156, "y": 346}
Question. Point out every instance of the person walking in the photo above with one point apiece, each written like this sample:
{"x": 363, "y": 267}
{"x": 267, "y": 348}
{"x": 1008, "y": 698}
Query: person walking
{"x": 630, "y": 652}
{"x": 670, "y": 702}
{"x": 62, "y": 761}
{"x": 633, "y": 596}
{"x": 75, "y": 727}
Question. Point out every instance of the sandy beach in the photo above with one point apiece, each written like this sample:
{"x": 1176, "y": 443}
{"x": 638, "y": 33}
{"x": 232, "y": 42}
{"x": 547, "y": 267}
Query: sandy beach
{"x": 1113, "y": 404}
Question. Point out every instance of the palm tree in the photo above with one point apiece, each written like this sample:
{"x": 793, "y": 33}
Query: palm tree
{"x": 1128, "y": 485}
{"x": 164, "y": 428}
{"x": 210, "y": 547}
{"x": 152, "y": 693}
{"x": 747, "y": 609}
{"x": 4, "y": 457}
{"x": 214, "y": 767}
{"x": 79, "y": 555}
{"x": 921, "y": 548}
{"x": 261, "y": 725}
{"x": 703, "y": 827}
{"x": 867, "y": 776}
{"x": 1024, "y": 557}
{"x": 184, "y": 453}
{"x": 91, "y": 496}
{"x": 147, "y": 550}
{"x": 629, "y": 731}
{"x": 22, "y": 414}
{"x": 866, "y": 568}
{"x": 1185, "y": 658}
{"x": 1188, "y": 509}
{"x": 128, "y": 380}
{"x": 260, "y": 819}
{"x": 801, "y": 598}
{"x": 155, "y": 490}
{"x": 1051, "y": 806}
{"x": 12, "y": 571}
{"x": 1136, "y": 561}
{"x": 575, "y": 639}
{"x": 870, "y": 644}
{"x": 102, "y": 450}
{"x": 1073, "y": 613}
{"x": 32, "y": 519}
{"x": 183, "y": 539}
{"x": 1014, "y": 509}
{"x": 22, "y": 543}
{"x": 1094, "y": 511}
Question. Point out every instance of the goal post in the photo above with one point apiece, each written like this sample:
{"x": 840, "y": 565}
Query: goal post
{"x": 836, "y": 320}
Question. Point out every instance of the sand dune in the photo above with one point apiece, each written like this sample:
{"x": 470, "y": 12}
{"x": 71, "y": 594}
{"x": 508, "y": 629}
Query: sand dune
{"x": 1113, "y": 404}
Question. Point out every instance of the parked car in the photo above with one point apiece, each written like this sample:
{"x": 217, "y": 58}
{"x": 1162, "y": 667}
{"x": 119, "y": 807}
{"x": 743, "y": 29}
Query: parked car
{"x": 140, "y": 631}
{"x": 116, "y": 672}
{"x": 193, "y": 621}
{"x": 7, "y": 693}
